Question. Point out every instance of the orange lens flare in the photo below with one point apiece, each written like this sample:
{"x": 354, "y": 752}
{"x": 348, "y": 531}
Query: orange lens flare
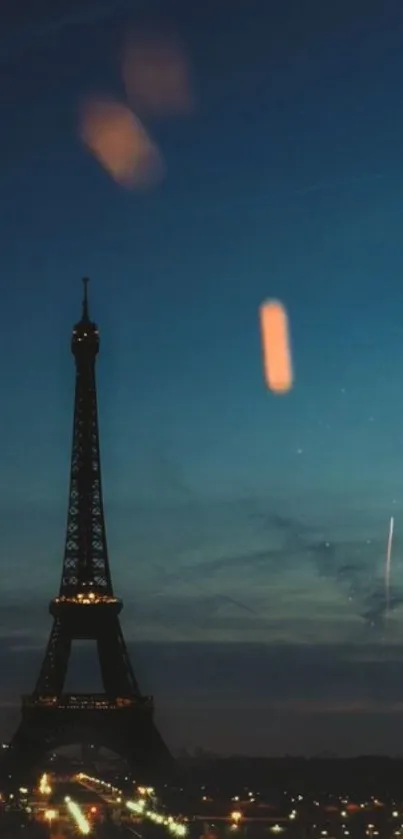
{"x": 276, "y": 346}
{"x": 156, "y": 75}
{"x": 121, "y": 144}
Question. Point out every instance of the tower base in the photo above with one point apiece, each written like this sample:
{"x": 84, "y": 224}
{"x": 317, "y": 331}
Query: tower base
{"x": 124, "y": 726}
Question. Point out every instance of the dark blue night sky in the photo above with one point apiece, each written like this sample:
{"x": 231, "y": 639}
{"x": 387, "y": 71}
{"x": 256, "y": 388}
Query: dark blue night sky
{"x": 247, "y": 531}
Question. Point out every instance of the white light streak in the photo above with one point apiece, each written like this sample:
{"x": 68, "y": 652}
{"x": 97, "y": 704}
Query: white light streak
{"x": 388, "y": 564}
{"x": 78, "y": 817}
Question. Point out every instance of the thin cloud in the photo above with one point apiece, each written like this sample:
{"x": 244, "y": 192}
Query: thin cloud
{"x": 32, "y": 35}
{"x": 300, "y": 698}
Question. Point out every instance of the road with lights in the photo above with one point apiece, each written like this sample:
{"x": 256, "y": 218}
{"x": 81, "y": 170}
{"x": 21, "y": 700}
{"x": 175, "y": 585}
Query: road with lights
{"x": 78, "y": 804}
{"x": 143, "y": 806}
{"x": 89, "y": 806}
{"x": 65, "y": 806}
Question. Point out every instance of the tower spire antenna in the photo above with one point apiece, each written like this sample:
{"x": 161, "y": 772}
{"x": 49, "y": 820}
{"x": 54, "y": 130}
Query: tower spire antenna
{"x": 85, "y": 299}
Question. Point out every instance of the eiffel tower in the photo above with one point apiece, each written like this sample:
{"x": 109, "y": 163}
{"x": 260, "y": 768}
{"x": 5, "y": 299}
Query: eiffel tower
{"x": 120, "y": 718}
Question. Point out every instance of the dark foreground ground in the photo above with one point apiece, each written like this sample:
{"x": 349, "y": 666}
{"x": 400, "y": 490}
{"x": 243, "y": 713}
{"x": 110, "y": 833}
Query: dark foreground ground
{"x": 361, "y": 776}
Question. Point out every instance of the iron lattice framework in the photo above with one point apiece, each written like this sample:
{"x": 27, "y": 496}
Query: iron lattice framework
{"x": 86, "y": 555}
{"x": 86, "y": 608}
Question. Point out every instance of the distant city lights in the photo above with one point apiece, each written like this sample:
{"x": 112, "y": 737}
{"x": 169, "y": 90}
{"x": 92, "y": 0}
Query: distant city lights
{"x": 44, "y": 786}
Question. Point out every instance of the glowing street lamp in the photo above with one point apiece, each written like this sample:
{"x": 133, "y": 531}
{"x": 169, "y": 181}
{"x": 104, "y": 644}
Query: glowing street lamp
{"x": 50, "y": 815}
